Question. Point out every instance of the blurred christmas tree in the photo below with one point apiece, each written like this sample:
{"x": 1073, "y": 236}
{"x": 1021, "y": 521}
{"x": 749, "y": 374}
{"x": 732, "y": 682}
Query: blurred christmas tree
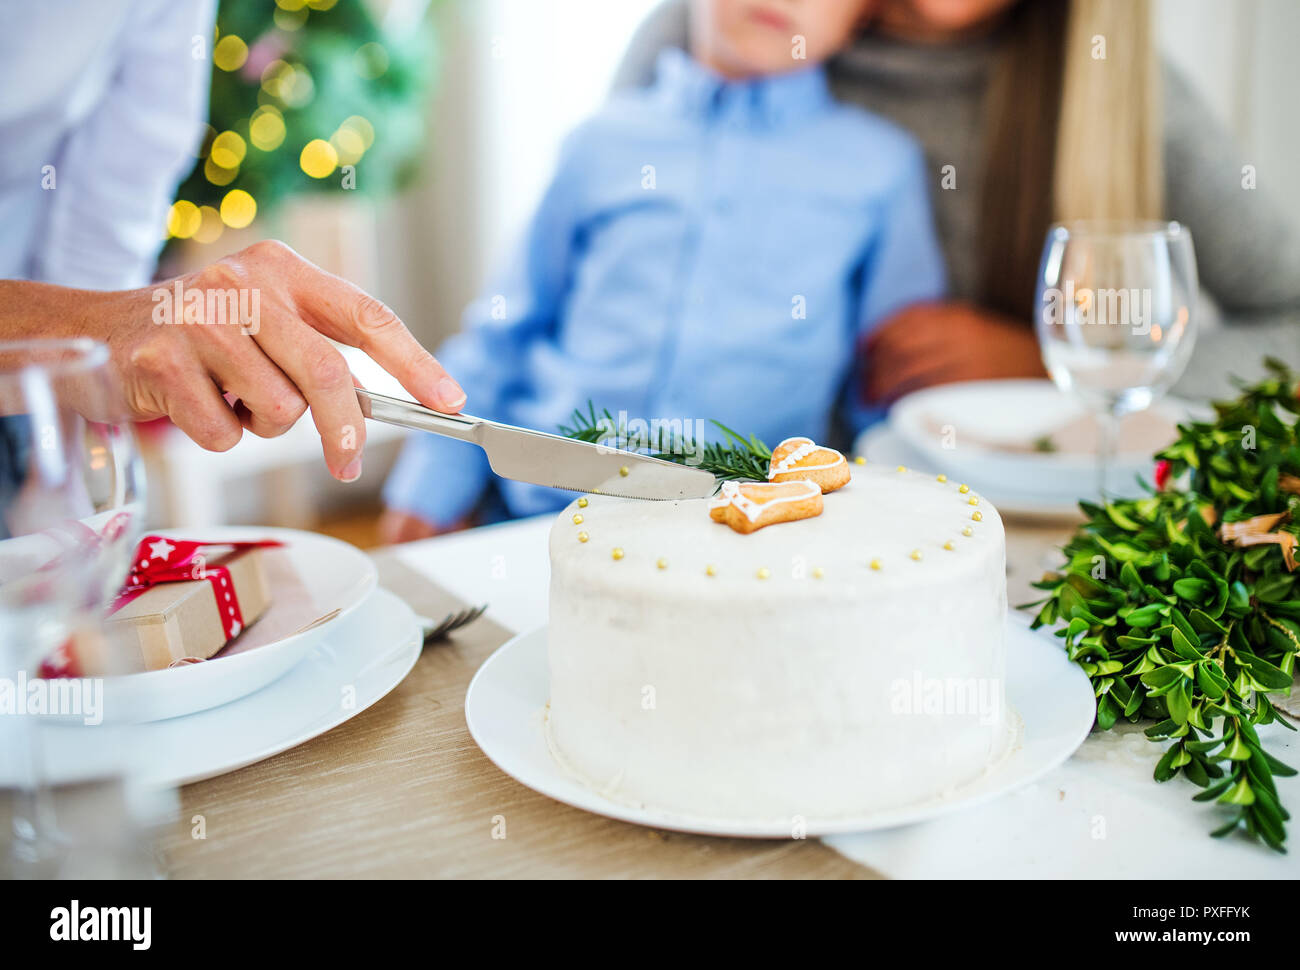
{"x": 307, "y": 96}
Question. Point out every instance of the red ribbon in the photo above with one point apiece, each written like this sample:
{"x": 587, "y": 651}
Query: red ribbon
{"x": 159, "y": 559}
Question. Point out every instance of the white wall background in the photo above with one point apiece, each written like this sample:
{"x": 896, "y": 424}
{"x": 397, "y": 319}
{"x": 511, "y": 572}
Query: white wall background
{"x": 1244, "y": 58}
{"x": 517, "y": 75}
{"x": 549, "y": 65}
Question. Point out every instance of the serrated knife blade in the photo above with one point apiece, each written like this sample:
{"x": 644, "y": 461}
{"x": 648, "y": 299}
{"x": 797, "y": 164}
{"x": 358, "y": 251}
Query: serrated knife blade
{"x": 548, "y": 459}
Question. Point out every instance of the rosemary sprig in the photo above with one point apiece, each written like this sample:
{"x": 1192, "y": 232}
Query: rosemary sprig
{"x": 736, "y": 457}
{"x": 590, "y": 427}
{"x": 1183, "y": 622}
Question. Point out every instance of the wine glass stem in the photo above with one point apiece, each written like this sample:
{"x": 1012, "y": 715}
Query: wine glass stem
{"x": 1107, "y": 440}
{"x": 33, "y": 823}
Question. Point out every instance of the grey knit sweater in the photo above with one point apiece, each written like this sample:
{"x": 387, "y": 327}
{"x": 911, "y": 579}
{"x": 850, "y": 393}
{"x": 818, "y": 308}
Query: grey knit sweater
{"x": 1247, "y": 255}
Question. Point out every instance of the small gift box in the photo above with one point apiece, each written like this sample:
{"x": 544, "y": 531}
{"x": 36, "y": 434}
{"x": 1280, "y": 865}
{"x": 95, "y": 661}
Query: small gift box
{"x": 180, "y": 619}
{"x": 183, "y": 601}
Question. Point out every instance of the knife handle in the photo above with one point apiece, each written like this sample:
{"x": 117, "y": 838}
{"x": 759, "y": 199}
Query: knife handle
{"x": 407, "y": 414}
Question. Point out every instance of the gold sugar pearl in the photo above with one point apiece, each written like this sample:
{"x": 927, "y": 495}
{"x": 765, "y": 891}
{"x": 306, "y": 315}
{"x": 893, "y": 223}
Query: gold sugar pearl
{"x": 902, "y": 468}
{"x": 818, "y": 572}
{"x": 710, "y": 570}
{"x": 916, "y": 555}
{"x": 618, "y": 552}
{"x": 582, "y": 503}
{"x": 661, "y": 563}
{"x": 967, "y": 531}
{"x": 977, "y": 515}
{"x": 963, "y": 489}
{"x": 974, "y": 500}
{"x": 764, "y": 572}
{"x": 941, "y": 478}
{"x": 875, "y": 564}
{"x": 583, "y": 537}
{"x": 948, "y": 545}
{"x": 577, "y": 518}
{"x": 859, "y": 460}
{"x": 623, "y": 471}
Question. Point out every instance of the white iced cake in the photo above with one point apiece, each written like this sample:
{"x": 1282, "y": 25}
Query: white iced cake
{"x": 840, "y": 664}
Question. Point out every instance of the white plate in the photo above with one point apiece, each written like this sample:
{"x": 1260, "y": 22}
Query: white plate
{"x": 882, "y": 446}
{"x": 980, "y": 414}
{"x": 357, "y": 662}
{"x": 505, "y": 710}
{"x": 335, "y": 576}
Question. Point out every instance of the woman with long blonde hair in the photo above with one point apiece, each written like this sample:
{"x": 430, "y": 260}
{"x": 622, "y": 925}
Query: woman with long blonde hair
{"x": 1032, "y": 111}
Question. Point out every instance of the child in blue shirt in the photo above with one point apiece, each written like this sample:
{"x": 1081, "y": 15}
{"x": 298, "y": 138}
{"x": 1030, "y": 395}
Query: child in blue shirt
{"x": 712, "y": 247}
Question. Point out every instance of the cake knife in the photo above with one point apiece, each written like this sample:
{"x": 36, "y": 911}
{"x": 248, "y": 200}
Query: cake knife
{"x": 547, "y": 459}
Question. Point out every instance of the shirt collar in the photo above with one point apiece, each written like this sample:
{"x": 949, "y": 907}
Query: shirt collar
{"x": 774, "y": 99}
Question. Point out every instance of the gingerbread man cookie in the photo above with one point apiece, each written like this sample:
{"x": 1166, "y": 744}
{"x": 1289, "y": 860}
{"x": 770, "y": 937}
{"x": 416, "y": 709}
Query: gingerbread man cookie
{"x": 748, "y": 506}
{"x": 802, "y": 459}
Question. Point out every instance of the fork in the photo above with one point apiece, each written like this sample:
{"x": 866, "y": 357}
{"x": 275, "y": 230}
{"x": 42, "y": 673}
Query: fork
{"x": 452, "y": 621}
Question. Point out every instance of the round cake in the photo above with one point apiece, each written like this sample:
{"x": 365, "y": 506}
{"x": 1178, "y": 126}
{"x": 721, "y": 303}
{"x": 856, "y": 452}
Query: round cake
{"x": 830, "y": 666}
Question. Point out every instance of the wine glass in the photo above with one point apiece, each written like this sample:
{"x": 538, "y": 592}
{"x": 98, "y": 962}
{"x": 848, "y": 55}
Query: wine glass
{"x": 1116, "y": 317}
{"x": 71, "y": 505}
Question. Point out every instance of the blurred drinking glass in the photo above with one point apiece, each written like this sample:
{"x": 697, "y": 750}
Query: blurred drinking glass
{"x": 1116, "y": 318}
{"x": 71, "y": 503}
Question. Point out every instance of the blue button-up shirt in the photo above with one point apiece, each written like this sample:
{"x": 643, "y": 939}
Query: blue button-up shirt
{"x": 706, "y": 250}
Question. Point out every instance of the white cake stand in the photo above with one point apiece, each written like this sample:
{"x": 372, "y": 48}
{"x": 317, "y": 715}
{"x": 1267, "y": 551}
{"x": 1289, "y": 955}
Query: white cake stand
{"x": 505, "y": 709}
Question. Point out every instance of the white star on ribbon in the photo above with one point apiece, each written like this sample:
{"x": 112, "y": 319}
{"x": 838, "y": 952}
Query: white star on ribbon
{"x": 161, "y": 549}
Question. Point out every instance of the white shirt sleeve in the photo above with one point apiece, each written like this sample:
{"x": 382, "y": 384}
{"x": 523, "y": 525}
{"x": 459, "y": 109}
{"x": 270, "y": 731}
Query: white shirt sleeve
{"x": 118, "y": 170}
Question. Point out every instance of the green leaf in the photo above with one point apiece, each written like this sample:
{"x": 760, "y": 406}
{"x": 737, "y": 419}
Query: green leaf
{"x": 1128, "y": 575}
{"x": 1213, "y": 792}
{"x": 1179, "y": 701}
{"x": 1121, "y": 519}
{"x": 1107, "y": 712}
{"x": 1236, "y": 749}
{"x": 1205, "y": 680}
{"x": 1273, "y": 589}
{"x": 1204, "y": 623}
{"x": 1181, "y": 622}
{"x": 1134, "y": 703}
{"x": 1183, "y": 646}
{"x": 1261, "y": 776}
{"x": 1147, "y": 616}
{"x": 1164, "y": 769}
{"x": 1121, "y": 551}
{"x": 1225, "y": 829}
{"x": 1238, "y": 794}
{"x": 1162, "y": 677}
{"x": 1085, "y": 585}
{"x": 1238, "y": 597}
{"x": 1279, "y": 768}
{"x": 1192, "y": 590}
{"x": 1271, "y": 677}
{"x": 1269, "y": 816}
{"x": 1162, "y": 729}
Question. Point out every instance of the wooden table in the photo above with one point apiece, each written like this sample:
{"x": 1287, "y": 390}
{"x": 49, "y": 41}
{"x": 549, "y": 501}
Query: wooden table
{"x": 402, "y": 790}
